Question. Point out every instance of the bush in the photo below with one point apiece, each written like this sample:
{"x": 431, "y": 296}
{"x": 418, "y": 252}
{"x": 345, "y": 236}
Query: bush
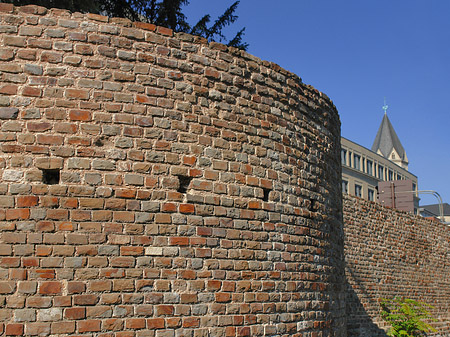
{"x": 407, "y": 317}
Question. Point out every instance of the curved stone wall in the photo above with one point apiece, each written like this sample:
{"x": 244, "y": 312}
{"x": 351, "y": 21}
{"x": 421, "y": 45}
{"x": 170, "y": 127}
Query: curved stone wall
{"x": 156, "y": 185}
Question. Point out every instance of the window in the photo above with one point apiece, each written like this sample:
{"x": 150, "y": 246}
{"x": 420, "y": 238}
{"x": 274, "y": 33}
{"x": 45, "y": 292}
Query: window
{"x": 369, "y": 167}
{"x": 358, "y": 190}
{"x": 357, "y": 162}
{"x": 344, "y": 186}
{"x": 380, "y": 172}
{"x": 370, "y": 194}
{"x": 390, "y": 175}
{"x": 344, "y": 157}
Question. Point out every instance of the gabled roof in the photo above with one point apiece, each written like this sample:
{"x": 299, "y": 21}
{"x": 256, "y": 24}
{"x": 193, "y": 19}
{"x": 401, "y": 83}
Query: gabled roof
{"x": 387, "y": 139}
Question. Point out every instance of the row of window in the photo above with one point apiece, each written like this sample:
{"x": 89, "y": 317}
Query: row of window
{"x": 368, "y": 166}
{"x": 358, "y": 191}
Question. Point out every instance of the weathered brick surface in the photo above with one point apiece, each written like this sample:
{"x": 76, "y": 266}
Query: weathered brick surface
{"x": 156, "y": 185}
{"x": 393, "y": 253}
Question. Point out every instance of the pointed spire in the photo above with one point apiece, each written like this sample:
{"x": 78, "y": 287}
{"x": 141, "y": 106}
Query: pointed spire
{"x": 388, "y": 144}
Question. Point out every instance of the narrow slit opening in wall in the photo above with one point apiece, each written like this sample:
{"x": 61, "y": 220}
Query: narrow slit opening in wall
{"x": 50, "y": 177}
{"x": 312, "y": 208}
{"x": 184, "y": 182}
{"x": 266, "y": 192}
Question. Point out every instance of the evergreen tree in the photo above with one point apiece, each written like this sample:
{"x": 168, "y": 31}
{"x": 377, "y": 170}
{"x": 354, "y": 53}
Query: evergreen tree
{"x": 167, "y": 13}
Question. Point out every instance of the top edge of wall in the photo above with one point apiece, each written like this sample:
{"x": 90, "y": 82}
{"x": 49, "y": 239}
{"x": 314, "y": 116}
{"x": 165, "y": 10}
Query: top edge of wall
{"x": 8, "y": 8}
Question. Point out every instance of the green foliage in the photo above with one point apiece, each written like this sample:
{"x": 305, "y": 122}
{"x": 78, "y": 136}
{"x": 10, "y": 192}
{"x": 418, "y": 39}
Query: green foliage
{"x": 167, "y": 13}
{"x": 407, "y": 317}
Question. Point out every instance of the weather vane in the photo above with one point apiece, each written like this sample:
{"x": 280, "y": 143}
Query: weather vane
{"x": 385, "y": 106}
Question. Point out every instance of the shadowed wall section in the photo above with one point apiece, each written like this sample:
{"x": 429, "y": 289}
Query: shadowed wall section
{"x": 393, "y": 253}
{"x": 156, "y": 185}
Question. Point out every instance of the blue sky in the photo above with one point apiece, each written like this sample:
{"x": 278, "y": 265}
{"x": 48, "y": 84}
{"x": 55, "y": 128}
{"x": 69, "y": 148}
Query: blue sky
{"x": 358, "y": 52}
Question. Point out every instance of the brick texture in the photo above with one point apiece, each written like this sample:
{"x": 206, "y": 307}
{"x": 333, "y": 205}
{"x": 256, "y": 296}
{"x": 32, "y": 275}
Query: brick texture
{"x": 152, "y": 184}
{"x": 393, "y": 253}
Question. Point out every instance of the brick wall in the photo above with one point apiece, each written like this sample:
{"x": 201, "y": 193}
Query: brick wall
{"x": 393, "y": 253}
{"x": 156, "y": 185}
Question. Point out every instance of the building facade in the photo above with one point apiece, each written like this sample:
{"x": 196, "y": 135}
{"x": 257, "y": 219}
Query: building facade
{"x": 363, "y": 169}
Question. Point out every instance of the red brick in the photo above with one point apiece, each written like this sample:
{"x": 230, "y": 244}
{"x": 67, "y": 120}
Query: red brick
{"x": 58, "y": 214}
{"x": 9, "y": 262}
{"x": 209, "y": 72}
{"x": 100, "y": 285}
{"x": 17, "y": 214}
{"x": 172, "y": 322}
{"x": 96, "y": 17}
{"x": 32, "y": 92}
{"x": 254, "y": 204}
{"x": 50, "y": 139}
{"x": 75, "y": 313}
{"x": 14, "y": 330}
{"x": 164, "y": 310}
{"x": 80, "y": 115}
{"x": 191, "y": 322}
{"x": 30, "y": 262}
{"x": 169, "y": 207}
{"x": 155, "y": 323}
{"x": 8, "y": 89}
{"x": 51, "y": 57}
{"x": 214, "y": 285}
{"x": 45, "y": 226}
{"x": 188, "y": 298}
{"x": 243, "y": 331}
{"x": 45, "y": 273}
{"x": 39, "y": 302}
{"x": 144, "y": 99}
{"x": 91, "y": 325}
{"x": 204, "y": 231}
{"x": 62, "y": 301}
{"x": 178, "y": 241}
{"x": 39, "y": 126}
{"x": 164, "y": 31}
{"x": 189, "y": 160}
{"x": 6, "y": 8}
{"x": 76, "y": 287}
{"x": 33, "y": 9}
{"x": 27, "y": 54}
{"x": 187, "y": 208}
{"x": 135, "y": 323}
{"x": 144, "y": 25}
{"x": 112, "y": 324}
{"x": 136, "y": 251}
{"x": 88, "y": 299}
{"x": 223, "y": 297}
{"x": 50, "y": 288}
{"x": 43, "y": 250}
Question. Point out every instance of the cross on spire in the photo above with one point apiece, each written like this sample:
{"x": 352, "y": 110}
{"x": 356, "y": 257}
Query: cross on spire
{"x": 385, "y": 106}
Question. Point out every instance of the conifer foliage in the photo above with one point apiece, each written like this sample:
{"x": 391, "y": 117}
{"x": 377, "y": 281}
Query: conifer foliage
{"x": 167, "y": 13}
